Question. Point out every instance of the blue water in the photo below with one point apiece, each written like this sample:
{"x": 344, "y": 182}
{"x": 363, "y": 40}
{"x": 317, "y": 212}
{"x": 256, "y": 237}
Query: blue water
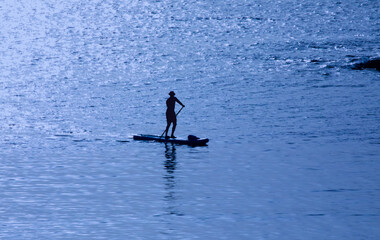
{"x": 294, "y": 130}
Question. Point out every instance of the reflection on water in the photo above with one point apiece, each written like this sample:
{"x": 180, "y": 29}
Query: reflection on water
{"x": 170, "y": 181}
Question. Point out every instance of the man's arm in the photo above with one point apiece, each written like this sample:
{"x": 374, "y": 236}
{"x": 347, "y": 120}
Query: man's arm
{"x": 178, "y": 101}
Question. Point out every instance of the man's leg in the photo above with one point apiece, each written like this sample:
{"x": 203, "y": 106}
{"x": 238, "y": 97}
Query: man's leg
{"x": 174, "y": 126}
{"x": 167, "y": 129}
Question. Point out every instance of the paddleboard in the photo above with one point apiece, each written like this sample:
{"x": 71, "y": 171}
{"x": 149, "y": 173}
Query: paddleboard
{"x": 192, "y": 141}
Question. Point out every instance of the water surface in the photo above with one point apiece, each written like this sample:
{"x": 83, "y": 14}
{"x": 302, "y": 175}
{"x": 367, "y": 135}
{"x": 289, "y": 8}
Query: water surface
{"x": 294, "y": 131}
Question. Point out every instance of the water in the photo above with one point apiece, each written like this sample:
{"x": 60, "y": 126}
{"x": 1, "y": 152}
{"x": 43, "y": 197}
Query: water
{"x": 294, "y": 131}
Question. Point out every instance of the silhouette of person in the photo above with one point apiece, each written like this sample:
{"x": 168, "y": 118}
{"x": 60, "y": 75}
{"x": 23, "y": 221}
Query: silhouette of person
{"x": 170, "y": 113}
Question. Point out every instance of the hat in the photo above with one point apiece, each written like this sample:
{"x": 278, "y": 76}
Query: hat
{"x": 171, "y": 93}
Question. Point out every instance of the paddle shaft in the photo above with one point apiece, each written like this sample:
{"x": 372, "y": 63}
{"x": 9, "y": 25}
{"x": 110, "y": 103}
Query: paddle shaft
{"x": 176, "y": 116}
{"x": 179, "y": 111}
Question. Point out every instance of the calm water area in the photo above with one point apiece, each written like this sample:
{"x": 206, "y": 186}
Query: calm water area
{"x": 294, "y": 131}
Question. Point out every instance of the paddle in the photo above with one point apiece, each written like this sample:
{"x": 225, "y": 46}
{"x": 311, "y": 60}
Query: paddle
{"x": 176, "y": 116}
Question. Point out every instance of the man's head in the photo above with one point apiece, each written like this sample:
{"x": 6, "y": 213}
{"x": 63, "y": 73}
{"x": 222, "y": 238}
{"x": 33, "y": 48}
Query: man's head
{"x": 171, "y": 93}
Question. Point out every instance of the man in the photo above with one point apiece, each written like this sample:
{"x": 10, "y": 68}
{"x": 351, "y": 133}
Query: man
{"x": 170, "y": 113}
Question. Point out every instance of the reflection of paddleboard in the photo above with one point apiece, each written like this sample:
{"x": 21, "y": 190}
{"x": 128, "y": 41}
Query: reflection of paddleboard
{"x": 192, "y": 140}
